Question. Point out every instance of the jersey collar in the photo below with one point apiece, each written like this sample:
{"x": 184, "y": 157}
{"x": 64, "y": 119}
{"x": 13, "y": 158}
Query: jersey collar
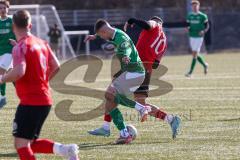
{"x": 3, "y": 19}
{"x": 196, "y": 13}
{"x": 114, "y": 34}
{"x": 28, "y": 35}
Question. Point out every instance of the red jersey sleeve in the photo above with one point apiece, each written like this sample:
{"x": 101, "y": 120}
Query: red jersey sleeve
{"x": 19, "y": 52}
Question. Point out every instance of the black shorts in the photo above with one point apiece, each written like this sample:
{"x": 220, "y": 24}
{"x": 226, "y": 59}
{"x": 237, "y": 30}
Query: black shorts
{"x": 144, "y": 88}
{"x": 29, "y": 120}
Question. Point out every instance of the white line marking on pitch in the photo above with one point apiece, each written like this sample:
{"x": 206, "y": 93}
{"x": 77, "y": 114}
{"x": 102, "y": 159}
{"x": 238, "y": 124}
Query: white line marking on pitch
{"x": 169, "y": 77}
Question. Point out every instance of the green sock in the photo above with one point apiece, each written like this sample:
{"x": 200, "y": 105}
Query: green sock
{"x": 123, "y": 100}
{"x": 201, "y": 60}
{"x": 118, "y": 119}
{"x": 194, "y": 60}
{"x": 3, "y": 89}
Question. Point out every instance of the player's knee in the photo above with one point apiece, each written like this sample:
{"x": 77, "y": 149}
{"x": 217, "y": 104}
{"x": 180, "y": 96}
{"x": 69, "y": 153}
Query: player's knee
{"x": 195, "y": 54}
{"x": 140, "y": 99}
{"x": 109, "y": 96}
{"x": 20, "y": 143}
{"x": 110, "y": 93}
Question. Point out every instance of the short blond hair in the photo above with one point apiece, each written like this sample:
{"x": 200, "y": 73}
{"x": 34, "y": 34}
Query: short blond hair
{"x": 195, "y": 2}
{"x": 5, "y": 2}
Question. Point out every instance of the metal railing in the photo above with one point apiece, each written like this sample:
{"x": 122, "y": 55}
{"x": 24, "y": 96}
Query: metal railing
{"x": 114, "y": 16}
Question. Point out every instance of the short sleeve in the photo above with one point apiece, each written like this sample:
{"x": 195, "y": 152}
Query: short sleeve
{"x": 205, "y": 18}
{"x": 125, "y": 48}
{"x": 19, "y": 55}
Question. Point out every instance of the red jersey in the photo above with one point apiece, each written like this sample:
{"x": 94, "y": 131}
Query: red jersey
{"x": 151, "y": 45}
{"x": 33, "y": 88}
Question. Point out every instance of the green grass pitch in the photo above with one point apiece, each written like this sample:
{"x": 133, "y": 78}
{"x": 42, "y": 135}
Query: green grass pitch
{"x": 208, "y": 105}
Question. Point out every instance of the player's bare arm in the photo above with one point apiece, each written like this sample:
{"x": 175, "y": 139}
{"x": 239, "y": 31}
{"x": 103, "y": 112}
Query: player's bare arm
{"x": 13, "y": 42}
{"x": 207, "y": 26}
{"x": 54, "y": 65}
{"x": 14, "y": 74}
{"x": 90, "y": 38}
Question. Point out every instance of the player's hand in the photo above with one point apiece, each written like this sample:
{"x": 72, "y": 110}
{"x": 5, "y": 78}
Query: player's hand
{"x": 126, "y": 26}
{"x": 201, "y": 33}
{"x": 13, "y": 42}
{"x": 155, "y": 64}
{"x": 90, "y": 38}
{"x": 126, "y": 60}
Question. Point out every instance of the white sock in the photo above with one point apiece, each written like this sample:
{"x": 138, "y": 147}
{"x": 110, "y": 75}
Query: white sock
{"x": 124, "y": 132}
{"x": 106, "y": 125}
{"x": 57, "y": 148}
{"x": 168, "y": 118}
{"x": 139, "y": 106}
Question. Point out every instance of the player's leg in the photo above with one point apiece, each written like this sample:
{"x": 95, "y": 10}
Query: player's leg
{"x": 127, "y": 83}
{"x": 5, "y": 64}
{"x": 141, "y": 95}
{"x": 199, "y": 57}
{"x": 23, "y": 148}
{"x": 27, "y": 126}
{"x": 122, "y": 86}
{"x": 111, "y": 108}
{"x": 104, "y": 130}
{"x": 193, "y": 45}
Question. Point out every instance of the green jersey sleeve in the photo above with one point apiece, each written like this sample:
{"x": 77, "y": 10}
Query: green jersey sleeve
{"x": 124, "y": 47}
{"x": 205, "y": 18}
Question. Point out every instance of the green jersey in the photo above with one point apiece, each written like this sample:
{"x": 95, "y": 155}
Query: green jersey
{"x": 124, "y": 47}
{"x": 6, "y": 33}
{"x": 197, "y": 23}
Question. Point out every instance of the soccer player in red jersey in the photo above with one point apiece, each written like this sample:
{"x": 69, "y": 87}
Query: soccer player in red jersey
{"x": 151, "y": 46}
{"x": 34, "y": 64}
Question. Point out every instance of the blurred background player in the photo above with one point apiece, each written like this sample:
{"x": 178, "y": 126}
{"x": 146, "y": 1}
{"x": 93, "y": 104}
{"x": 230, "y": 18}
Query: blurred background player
{"x": 34, "y": 64}
{"x": 198, "y": 26}
{"x": 55, "y": 35}
{"x": 151, "y": 47}
{"x": 6, "y": 37}
{"x": 130, "y": 77}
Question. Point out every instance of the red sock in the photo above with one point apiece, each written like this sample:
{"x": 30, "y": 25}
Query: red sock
{"x": 42, "y": 146}
{"x": 160, "y": 114}
{"x": 26, "y": 153}
{"x": 107, "y": 118}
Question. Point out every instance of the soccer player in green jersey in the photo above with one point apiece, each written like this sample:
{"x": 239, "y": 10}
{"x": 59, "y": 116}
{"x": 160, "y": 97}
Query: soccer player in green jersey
{"x": 6, "y": 40}
{"x": 197, "y": 25}
{"x": 131, "y": 76}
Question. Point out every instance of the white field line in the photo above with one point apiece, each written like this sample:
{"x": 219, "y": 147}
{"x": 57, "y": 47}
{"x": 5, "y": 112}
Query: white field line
{"x": 195, "y": 99}
{"x": 174, "y": 88}
{"x": 171, "y": 77}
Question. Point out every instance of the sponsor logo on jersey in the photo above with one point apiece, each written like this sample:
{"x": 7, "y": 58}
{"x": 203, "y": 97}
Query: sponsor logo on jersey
{"x": 5, "y": 31}
{"x": 194, "y": 21}
{"x": 125, "y": 45}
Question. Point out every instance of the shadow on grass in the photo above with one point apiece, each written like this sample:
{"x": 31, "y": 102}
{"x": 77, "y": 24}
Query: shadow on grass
{"x": 230, "y": 120}
{"x": 90, "y": 146}
{"x": 8, "y": 155}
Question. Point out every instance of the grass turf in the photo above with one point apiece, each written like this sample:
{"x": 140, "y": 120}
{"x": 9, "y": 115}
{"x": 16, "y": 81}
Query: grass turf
{"x": 208, "y": 105}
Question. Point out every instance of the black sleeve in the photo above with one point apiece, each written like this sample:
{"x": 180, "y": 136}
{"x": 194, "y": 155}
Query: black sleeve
{"x": 116, "y": 75}
{"x": 141, "y": 23}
